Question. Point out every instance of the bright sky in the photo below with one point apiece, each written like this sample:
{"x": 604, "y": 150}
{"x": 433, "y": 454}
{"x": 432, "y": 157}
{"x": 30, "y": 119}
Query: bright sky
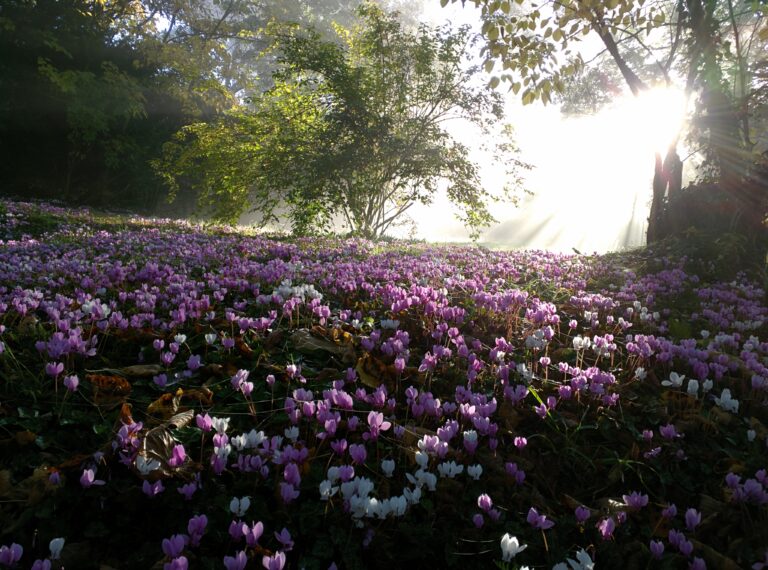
{"x": 592, "y": 176}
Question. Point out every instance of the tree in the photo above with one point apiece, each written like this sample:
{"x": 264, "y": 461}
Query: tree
{"x": 354, "y": 128}
{"x": 709, "y": 47}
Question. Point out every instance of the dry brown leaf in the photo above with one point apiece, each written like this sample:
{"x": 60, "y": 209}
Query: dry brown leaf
{"x": 109, "y": 391}
{"x": 141, "y": 370}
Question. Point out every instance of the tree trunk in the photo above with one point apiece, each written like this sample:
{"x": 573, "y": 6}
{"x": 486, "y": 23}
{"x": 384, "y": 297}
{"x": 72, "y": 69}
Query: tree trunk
{"x": 667, "y": 179}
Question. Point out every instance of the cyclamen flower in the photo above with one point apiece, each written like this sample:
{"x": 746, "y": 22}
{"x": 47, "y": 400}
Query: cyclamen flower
{"x": 274, "y": 562}
{"x": 358, "y": 453}
{"x": 582, "y": 514}
{"x": 377, "y": 424}
{"x": 54, "y": 368}
{"x": 71, "y": 383}
{"x": 239, "y": 506}
{"x": 179, "y": 455}
{"x": 388, "y": 467}
{"x": 236, "y": 562}
{"x": 284, "y": 538}
{"x": 55, "y": 546}
{"x": 538, "y": 521}
{"x": 484, "y": 502}
{"x": 179, "y": 563}
{"x": 151, "y": 490}
{"x": 606, "y": 528}
{"x": 174, "y": 546}
{"x": 475, "y": 471}
{"x": 675, "y": 380}
{"x": 88, "y": 479}
{"x": 657, "y": 549}
{"x": 9, "y": 555}
{"x": 692, "y": 519}
{"x": 510, "y": 547}
{"x": 635, "y": 500}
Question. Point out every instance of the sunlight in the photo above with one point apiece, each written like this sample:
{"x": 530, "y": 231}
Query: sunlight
{"x": 653, "y": 119}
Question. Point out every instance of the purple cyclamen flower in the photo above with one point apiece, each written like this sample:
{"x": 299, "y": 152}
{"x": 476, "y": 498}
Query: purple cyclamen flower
{"x": 275, "y": 562}
{"x": 377, "y": 424}
{"x": 484, "y": 502}
{"x": 178, "y": 456}
{"x": 668, "y": 431}
{"x": 692, "y": 519}
{"x": 635, "y": 500}
{"x": 288, "y": 493}
{"x": 685, "y": 547}
{"x": 180, "y": 563}
{"x": 339, "y": 446}
{"x": 657, "y": 549}
{"x": 10, "y": 555}
{"x": 698, "y": 564}
{"x": 42, "y": 565}
{"x": 152, "y": 490}
{"x": 54, "y": 368}
{"x": 582, "y": 514}
{"x": 88, "y": 479}
{"x": 478, "y": 520}
{"x": 284, "y": 538}
{"x": 204, "y": 422}
{"x": 520, "y": 443}
{"x": 606, "y": 528}
{"x": 174, "y": 546}
{"x": 188, "y": 490}
{"x": 292, "y": 475}
{"x": 358, "y": 453}
{"x": 253, "y": 534}
{"x": 71, "y": 382}
{"x": 194, "y": 362}
{"x": 538, "y": 521}
{"x": 669, "y": 512}
{"x": 196, "y": 528}
{"x": 236, "y": 562}
{"x": 237, "y": 529}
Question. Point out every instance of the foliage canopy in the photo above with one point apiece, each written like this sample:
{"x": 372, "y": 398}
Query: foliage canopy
{"x": 354, "y": 128}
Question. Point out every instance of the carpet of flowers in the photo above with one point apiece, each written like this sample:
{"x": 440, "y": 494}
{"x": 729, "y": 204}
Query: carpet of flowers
{"x": 174, "y": 396}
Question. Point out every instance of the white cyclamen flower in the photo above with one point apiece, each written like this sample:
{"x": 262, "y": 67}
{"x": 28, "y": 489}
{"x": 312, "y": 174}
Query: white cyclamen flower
{"x": 239, "y": 506}
{"x": 675, "y": 380}
{"x": 55, "y": 546}
{"x": 510, "y": 547}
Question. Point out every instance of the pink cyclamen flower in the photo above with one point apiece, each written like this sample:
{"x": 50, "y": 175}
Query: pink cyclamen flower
{"x": 236, "y": 562}
{"x": 178, "y": 456}
{"x": 484, "y": 502}
{"x": 538, "y": 521}
{"x": 253, "y": 534}
{"x": 88, "y": 479}
{"x": 179, "y": 563}
{"x": 54, "y": 368}
{"x": 606, "y": 528}
{"x": 71, "y": 382}
{"x": 205, "y": 422}
{"x": 275, "y": 562}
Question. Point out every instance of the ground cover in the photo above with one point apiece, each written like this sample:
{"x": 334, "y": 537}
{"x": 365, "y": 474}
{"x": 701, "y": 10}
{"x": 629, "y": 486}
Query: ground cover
{"x": 176, "y": 396}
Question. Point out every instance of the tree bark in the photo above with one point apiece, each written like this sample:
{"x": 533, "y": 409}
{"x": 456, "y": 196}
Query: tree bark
{"x": 667, "y": 179}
